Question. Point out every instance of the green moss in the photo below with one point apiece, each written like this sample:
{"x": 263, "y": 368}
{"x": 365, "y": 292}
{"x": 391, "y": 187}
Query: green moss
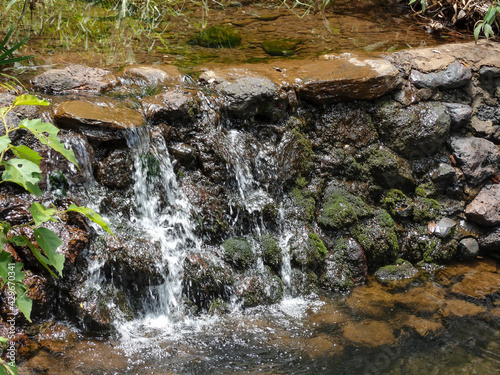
{"x": 426, "y": 209}
{"x": 58, "y": 183}
{"x": 271, "y": 252}
{"x": 305, "y": 203}
{"x": 151, "y": 165}
{"x": 318, "y": 246}
{"x": 341, "y": 209}
{"x": 283, "y": 47}
{"x": 425, "y": 190}
{"x": 239, "y": 252}
{"x": 217, "y": 37}
{"x": 397, "y": 204}
{"x": 306, "y": 154}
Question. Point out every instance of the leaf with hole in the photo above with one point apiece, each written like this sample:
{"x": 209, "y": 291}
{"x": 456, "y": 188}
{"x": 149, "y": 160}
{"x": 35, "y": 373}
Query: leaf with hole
{"x": 41, "y": 214}
{"x": 23, "y": 172}
{"x": 24, "y": 152}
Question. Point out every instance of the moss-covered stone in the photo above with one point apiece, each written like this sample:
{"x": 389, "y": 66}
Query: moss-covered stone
{"x": 261, "y": 289}
{"x": 217, "y": 37}
{"x": 271, "y": 252}
{"x": 400, "y": 269}
{"x": 283, "y": 47}
{"x": 425, "y": 209}
{"x": 238, "y": 252}
{"x": 304, "y": 202}
{"x": 377, "y": 236}
{"x": 308, "y": 252}
{"x": 425, "y": 190}
{"x": 341, "y": 209}
{"x": 306, "y": 152}
{"x": 397, "y": 204}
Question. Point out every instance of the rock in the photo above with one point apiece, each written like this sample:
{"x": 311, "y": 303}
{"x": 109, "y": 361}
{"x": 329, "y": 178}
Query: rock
{"x": 485, "y": 129}
{"x": 153, "y": 75}
{"x": 184, "y": 154}
{"x": 397, "y": 204}
{"x": 251, "y": 98}
{"x": 341, "y": 208}
{"x": 491, "y": 242}
{"x": 206, "y": 279}
{"x": 238, "y": 252}
{"x": 421, "y": 129}
{"x": 170, "y": 106}
{"x": 97, "y": 123}
{"x": 370, "y": 333}
{"x": 272, "y": 254}
{"x": 444, "y": 175}
{"x": 456, "y": 75}
{"x": 444, "y": 227}
{"x": 468, "y": 248}
{"x": 485, "y": 208}
{"x": 75, "y": 78}
{"x": 423, "y": 300}
{"x": 477, "y": 157}
{"x": 308, "y": 251}
{"x": 424, "y": 327}
{"x": 371, "y": 300}
{"x": 217, "y": 37}
{"x": 57, "y": 338}
{"x": 14, "y": 210}
{"x": 461, "y": 308}
{"x": 401, "y": 269}
{"x": 263, "y": 288}
{"x": 477, "y": 285}
{"x": 378, "y": 239}
{"x": 340, "y": 80}
{"x": 386, "y": 168}
{"x": 345, "y": 266}
{"x": 460, "y": 114}
{"x": 283, "y": 47}
{"x": 116, "y": 170}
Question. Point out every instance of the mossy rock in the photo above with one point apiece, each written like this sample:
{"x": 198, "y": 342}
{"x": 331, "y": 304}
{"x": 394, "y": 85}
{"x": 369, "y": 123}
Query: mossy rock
{"x": 306, "y": 154}
{"x": 217, "y": 37}
{"x": 238, "y": 252}
{"x": 309, "y": 252}
{"x": 262, "y": 289}
{"x": 341, "y": 209}
{"x": 282, "y": 47}
{"x": 426, "y": 209}
{"x": 397, "y": 204}
{"x": 399, "y": 270}
{"x": 377, "y": 236}
{"x": 304, "y": 202}
{"x": 271, "y": 252}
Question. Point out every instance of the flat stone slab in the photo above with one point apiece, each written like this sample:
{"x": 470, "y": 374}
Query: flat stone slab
{"x": 75, "y": 78}
{"x": 98, "y": 123}
{"x": 153, "y": 74}
{"x": 485, "y": 208}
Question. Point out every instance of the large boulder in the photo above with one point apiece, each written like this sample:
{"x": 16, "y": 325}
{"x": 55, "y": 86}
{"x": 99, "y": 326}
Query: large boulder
{"x": 477, "y": 157}
{"x": 75, "y": 78}
{"x": 485, "y": 208}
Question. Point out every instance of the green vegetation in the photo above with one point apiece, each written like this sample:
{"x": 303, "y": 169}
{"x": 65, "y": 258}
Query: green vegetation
{"x": 283, "y": 47}
{"x": 239, "y": 252}
{"x": 491, "y": 18}
{"x": 341, "y": 209}
{"x": 217, "y": 37}
{"x": 271, "y": 252}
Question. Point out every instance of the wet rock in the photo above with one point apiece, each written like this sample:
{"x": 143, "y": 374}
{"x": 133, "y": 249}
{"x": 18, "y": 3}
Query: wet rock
{"x": 251, "y": 98}
{"x": 401, "y": 269}
{"x": 294, "y": 156}
{"x": 485, "y": 208}
{"x": 387, "y": 169}
{"x": 57, "y": 338}
{"x": 370, "y": 300}
{"x": 217, "y": 37}
{"x": 116, "y": 170}
{"x": 14, "y": 209}
{"x": 485, "y": 128}
{"x": 491, "y": 242}
{"x": 461, "y": 308}
{"x": 238, "y": 252}
{"x": 421, "y": 129}
{"x": 170, "y": 106}
{"x": 424, "y": 327}
{"x": 345, "y": 266}
{"x": 456, "y": 75}
{"x": 418, "y": 244}
{"x": 184, "y": 154}
{"x": 206, "y": 279}
{"x": 477, "y": 285}
{"x": 468, "y": 248}
{"x": 75, "y": 78}
{"x": 444, "y": 227}
{"x": 308, "y": 251}
{"x": 340, "y": 80}
{"x": 97, "y": 123}
{"x": 397, "y": 204}
{"x": 424, "y": 300}
{"x": 283, "y": 47}
{"x": 370, "y": 333}
{"x": 272, "y": 254}
{"x": 153, "y": 75}
{"x": 477, "y": 157}
{"x": 460, "y": 114}
{"x": 302, "y": 204}
{"x": 262, "y": 289}
{"x": 443, "y": 175}
{"x": 378, "y": 239}
{"x": 341, "y": 208}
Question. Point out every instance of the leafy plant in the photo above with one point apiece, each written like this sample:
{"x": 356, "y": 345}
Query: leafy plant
{"x": 423, "y": 4}
{"x": 485, "y": 25}
{"x": 21, "y": 166}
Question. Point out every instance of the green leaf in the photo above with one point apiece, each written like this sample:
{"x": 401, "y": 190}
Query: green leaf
{"x": 41, "y": 214}
{"x": 477, "y": 31}
{"x": 3, "y": 340}
{"x": 490, "y": 15}
{"x": 488, "y": 31}
{"x": 47, "y": 134}
{"x": 49, "y": 242}
{"x": 23, "y": 302}
{"x": 4, "y": 229}
{"x": 23, "y": 241}
{"x": 92, "y": 215}
{"x": 23, "y": 172}
{"x": 29, "y": 100}
{"x": 9, "y": 369}
{"x": 4, "y": 143}
{"x": 5, "y": 259}
{"x": 24, "y": 152}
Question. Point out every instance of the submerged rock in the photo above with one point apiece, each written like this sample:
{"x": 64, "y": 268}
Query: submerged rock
{"x": 283, "y": 47}
{"x": 75, "y": 78}
{"x": 218, "y": 37}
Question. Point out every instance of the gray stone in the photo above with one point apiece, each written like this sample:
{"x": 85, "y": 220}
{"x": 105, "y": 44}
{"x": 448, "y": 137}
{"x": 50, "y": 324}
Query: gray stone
{"x": 150, "y": 75}
{"x": 75, "y": 78}
{"x": 489, "y": 72}
{"x": 402, "y": 269}
{"x": 443, "y": 174}
{"x": 468, "y": 248}
{"x": 170, "y": 106}
{"x": 185, "y": 154}
{"x": 477, "y": 157}
{"x": 491, "y": 242}
{"x": 251, "y": 97}
{"x": 415, "y": 131}
{"x": 456, "y": 75}
{"x": 444, "y": 227}
{"x": 460, "y": 114}
{"x": 485, "y": 208}
{"x": 485, "y": 128}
